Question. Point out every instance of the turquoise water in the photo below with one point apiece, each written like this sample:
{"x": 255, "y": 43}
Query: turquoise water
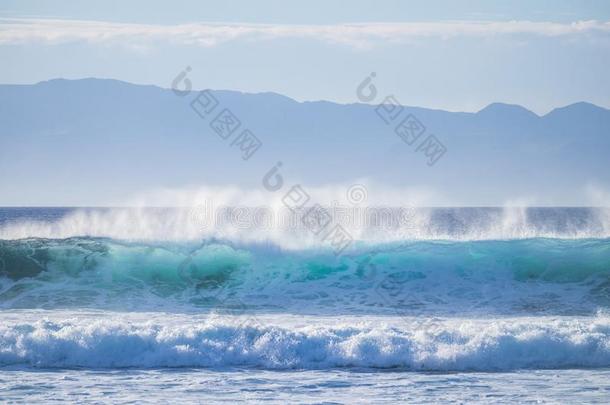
{"x": 475, "y": 316}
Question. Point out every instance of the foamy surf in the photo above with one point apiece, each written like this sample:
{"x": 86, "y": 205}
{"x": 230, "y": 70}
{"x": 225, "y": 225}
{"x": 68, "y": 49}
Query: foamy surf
{"x": 155, "y": 340}
{"x": 466, "y": 301}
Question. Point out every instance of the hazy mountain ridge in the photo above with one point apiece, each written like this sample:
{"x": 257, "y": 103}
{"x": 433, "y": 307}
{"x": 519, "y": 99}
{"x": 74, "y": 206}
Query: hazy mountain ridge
{"x": 68, "y": 134}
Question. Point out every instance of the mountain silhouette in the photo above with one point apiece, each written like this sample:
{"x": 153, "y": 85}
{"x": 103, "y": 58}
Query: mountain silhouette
{"x": 112, "y": 138}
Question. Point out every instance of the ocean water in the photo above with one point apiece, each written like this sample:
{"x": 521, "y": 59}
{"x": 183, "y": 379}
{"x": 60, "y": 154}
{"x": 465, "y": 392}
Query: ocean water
{"x": 453, "y": 305}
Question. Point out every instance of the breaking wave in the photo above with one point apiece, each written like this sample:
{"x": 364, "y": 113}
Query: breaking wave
{"x": 434, "y": 345}
{"x": 438, "y": 289}
{"x": 568, "y": 276}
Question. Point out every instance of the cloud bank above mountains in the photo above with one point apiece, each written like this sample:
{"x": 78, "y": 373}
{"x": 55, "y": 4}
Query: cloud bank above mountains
{"x": 357, "y": 35}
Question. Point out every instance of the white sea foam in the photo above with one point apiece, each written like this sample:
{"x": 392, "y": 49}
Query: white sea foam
{"x": 161, "y": 340}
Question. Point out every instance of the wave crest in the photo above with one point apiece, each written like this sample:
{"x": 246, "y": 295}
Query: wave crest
{"x": 280, "y": 226}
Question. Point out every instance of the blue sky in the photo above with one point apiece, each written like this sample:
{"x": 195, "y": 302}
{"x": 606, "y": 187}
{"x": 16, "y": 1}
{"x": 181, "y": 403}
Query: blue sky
{"x": 453, "y": 55}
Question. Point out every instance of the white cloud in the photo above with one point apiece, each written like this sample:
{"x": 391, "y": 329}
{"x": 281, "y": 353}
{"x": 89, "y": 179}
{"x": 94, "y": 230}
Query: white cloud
{"x": 56, "y": 31}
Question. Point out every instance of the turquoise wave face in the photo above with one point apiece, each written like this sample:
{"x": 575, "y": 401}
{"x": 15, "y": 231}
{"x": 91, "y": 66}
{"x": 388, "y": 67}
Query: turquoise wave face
{"x": 527, "y": 275}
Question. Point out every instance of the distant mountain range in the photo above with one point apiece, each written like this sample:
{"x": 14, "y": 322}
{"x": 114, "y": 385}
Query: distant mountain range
{"x": 93, "y": 140}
